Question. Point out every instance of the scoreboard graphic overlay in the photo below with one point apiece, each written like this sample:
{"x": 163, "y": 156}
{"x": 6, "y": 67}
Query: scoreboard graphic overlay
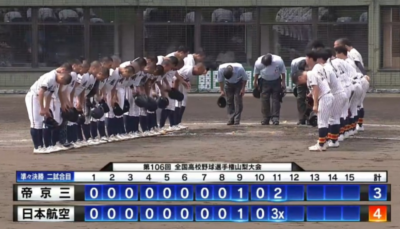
{"x": 233, "y": 192}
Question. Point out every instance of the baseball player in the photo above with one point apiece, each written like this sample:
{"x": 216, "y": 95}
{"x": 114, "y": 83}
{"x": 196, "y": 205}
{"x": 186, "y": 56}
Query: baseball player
{"x": 149, "y": 71}
{"x": 69, "y": 91}
{"x": 341, "y": 69}
{"x": 38, "y": 103}
{"x": 300, "y": 64}
{"x": 138, "y": 83}
{"x": 184, "y": 75}
{"x": 115, "y": 125}
{"x": 164, "y": 83}
{"x": 99, "y": 124}
{"x": 356, "y": 97}
{"x": 337, "y": 90}
{"x": 58, "y": 104}
{"x": 181, "y": 53}
{"x": 86, "y": 84}
{"x": 76, "y": 133}
{"x": 155, "y": 93}
{"x": 317, "y": 81}
{"x": 232, "y": 80}
{"x": 189, "y": 60}
{"x": 132, "y": 117}
{"x": 364, "y": 79}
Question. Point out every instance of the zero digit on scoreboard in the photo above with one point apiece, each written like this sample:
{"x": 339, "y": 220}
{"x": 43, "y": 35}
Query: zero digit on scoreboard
{"x": 129, "y": 213}
{"x": 110, "y": 213}
{"x": 166, "y": 192}
{"x": 221, "y": 192}
{"x": 166, "y": 213}
{"x": 184, "y": 192}
{"x": 204, "y": 213}
{"x": 149, "y": 192}
{"x": 259, "y": 192}
{"x": 148, "y": 213}
{"x": 111, "y": 192}
{"x": 128, "y": 192}
{"x": 221, "y": 213}
{"x": 93, "y": 213}
{"x": 184, "y": 213}
{"x": 93, "y": 192}
{"x": 204, "y": 192}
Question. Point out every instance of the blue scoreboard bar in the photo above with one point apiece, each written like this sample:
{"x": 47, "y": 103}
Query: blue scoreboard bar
{"x": 215, "y": 213}
{"x": 228, "y": 192}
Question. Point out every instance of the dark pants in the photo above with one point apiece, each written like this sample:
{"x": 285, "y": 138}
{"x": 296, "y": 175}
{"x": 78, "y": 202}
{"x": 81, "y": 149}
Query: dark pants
{"x": 234, "y": 101}
{"x": 301, "y": 102}
{"x": 270, "y": 91}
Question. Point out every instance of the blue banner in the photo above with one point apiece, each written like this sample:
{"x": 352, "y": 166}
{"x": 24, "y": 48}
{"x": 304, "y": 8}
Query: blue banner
{"x": 45, "y": 176}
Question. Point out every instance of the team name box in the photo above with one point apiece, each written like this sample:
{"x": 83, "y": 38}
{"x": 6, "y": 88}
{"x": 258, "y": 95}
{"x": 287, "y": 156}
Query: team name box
{"x": 203, "y": 192}
{"x": 203, "y": 213}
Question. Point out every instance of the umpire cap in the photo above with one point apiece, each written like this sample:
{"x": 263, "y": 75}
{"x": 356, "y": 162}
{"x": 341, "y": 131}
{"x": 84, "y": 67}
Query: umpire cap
{"x": 162, "y": 102}
{"x": 97, "y": 112}
{"x": 221, "y": 102}
{"x": 117, "y": 110}
{"x": 256, "y": 93}
{"x": 151, "y": 104}
{"x": 141, "y": 101}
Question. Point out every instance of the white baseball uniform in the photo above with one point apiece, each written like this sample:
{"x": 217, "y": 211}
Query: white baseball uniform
{"x": 337, "y": 91}
{"x": 342, "y": 72}
{"x": 355, "y": 100}
{"x": 133, "y": 85}
{"x": 67, "y": 90}
{"x": 189, "y": 61}
{"x": 356, "y": 56}
{"x": 110, "y": 84}
{"x": 48, "y": 81}
{"x": 317, "y": 77}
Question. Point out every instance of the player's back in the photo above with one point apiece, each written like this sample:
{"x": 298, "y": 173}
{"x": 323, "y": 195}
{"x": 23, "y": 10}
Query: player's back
{"x": 341, "y": 69}
{"x": 189, "y": 60}
{"x": 47, "y": 80}
{"x": 317, "y": 76}
{"x": 112, "y": 81}
{"x": 333, "y": 81}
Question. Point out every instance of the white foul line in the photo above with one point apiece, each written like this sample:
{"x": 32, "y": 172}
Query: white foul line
{"x": 250, "y": 124}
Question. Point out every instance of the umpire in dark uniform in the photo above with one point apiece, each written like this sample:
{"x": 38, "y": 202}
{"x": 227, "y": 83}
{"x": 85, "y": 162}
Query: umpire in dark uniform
{"x": 232, "y": 80}
{"x": 270, "y": 78}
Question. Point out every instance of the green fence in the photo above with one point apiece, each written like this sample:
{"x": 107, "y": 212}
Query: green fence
{"x": 209, "y": 81}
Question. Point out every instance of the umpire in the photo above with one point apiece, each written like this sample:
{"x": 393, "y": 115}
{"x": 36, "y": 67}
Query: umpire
{"x": 296, "y": 65}
{"x": 270, "y": 78}
{"x": 232, "y": 80}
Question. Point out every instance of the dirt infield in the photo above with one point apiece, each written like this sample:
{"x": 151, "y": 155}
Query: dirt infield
{"x": 209, "y": 139}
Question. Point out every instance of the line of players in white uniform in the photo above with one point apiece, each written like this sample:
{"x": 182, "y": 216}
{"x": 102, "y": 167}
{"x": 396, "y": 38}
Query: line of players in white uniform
{"x": 338, "y": 85}
{"x": 75, "y": 84}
